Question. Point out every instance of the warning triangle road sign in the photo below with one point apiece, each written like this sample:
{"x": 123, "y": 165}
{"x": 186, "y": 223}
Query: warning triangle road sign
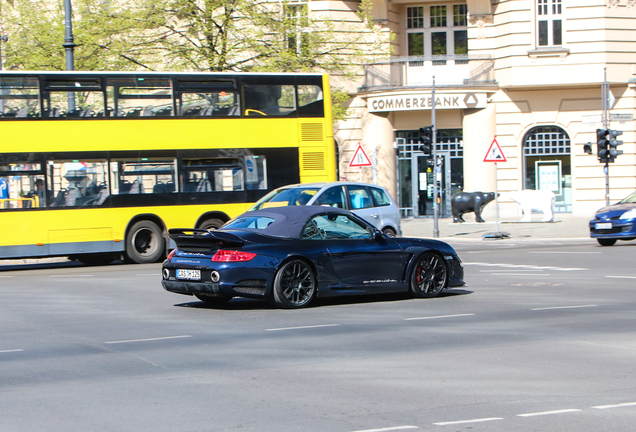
{"x": 494, "y": 153}
{"x": 360, "y": 158}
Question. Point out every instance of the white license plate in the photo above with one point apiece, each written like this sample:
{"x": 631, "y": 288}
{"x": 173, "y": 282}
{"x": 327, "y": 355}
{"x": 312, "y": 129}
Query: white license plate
{"x": 601, "y": 226}
{"x": 189, "y": 274}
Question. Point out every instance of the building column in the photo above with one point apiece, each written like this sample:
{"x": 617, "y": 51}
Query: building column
{"x": 378, "y": 134}
{"x": 480, "y": 127}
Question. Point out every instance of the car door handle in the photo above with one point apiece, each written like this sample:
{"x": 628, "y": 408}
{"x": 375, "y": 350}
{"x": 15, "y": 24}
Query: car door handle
{"x": 375, "y": 215}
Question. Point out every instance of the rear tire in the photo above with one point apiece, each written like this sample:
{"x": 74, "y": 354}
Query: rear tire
{"x": 145, "y": 242}
{"x": 294, "y": 285}
{"x": 211, "y": 224}
{"x": 389, "y": 232}
{"x": 429, "y": 276}
{"x": 606, "y": 242}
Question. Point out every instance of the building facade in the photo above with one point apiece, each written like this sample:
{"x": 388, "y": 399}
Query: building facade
{"x": 527, "y": 72}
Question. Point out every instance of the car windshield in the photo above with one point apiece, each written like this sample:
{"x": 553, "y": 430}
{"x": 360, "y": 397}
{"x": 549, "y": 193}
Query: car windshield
{"x": 286, "y": 197}
{"x": 630, "y": 199}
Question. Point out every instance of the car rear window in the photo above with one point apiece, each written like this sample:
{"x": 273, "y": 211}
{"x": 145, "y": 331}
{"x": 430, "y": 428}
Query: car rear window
{"x": 249, "y": 222}
{"x": 380, "y": 197}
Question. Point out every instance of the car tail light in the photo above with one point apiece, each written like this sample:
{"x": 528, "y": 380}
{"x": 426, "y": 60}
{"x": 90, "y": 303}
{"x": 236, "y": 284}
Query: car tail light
{"x": 171, "y": 254}
{"x": 232, "y": 256}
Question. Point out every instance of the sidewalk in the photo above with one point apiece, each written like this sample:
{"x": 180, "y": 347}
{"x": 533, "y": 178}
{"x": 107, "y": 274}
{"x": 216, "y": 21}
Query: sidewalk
{"x": 565, "y": 226}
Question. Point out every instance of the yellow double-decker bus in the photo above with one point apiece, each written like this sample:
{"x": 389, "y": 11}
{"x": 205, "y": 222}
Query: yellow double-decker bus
{"x": 98, "y": 165}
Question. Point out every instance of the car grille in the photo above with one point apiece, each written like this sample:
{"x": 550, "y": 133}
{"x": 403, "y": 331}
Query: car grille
{"x": 251, "y": 286}
{"x": 614, "y": 230}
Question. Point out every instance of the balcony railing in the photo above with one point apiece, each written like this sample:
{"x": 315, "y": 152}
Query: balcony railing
{"x": 453, "y": 70}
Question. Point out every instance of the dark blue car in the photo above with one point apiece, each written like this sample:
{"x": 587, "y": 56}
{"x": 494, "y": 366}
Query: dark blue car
{"x": 615, "y": 222}
{"x": 291, "y": 255}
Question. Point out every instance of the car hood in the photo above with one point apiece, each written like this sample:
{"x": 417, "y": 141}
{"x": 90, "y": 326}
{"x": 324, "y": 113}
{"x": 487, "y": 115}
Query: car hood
{"x": 614, "y": 210}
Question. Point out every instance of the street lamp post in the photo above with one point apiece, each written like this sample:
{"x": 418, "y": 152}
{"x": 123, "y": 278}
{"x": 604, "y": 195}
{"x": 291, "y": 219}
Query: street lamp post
{"x": 69, "y": 46}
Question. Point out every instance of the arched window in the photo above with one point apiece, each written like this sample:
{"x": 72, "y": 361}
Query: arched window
{"x": 546, "y": 154}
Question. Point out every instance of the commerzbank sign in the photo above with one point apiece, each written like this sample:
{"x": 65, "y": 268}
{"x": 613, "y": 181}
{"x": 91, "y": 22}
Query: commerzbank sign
{"x": 424, "y": 101}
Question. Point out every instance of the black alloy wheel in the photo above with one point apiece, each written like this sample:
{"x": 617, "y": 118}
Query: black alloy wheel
{"x": 294, "y": 285}
{"x": 145, "y": 243}
{"x": 429, "y": 276}
{"x": 606, "y": 242}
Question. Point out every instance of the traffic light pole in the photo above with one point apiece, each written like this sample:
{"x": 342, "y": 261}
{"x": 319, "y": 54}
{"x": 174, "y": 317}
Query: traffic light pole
{"x": 605, "y": 107}
{"x": 434, "y": 153}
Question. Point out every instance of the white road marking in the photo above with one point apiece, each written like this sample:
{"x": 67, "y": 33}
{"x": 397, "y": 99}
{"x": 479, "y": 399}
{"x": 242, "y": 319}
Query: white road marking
{"x": 520, "y": 274}
{"x": 490, "y": 271}
{"x": 71, "y": 276}
{"x": 436, "y": 317}
{"x": 394, "y": 428}
{"x": 621, "y": 277}
{"x": 468, "y": 421}
{"x": 563, "y": 252}
{"x": 6, "y": 276}
{"x": 523, "y": 266}
{"x": 148, "y": 274}
{"x": 621, "y": 405}
{"x": 302, "y": 327}
{"x": 11, "y": 350}
{"x": 149, "y": 339}
{"x": 548, "y": 413}
{"x": 564, "y": 307}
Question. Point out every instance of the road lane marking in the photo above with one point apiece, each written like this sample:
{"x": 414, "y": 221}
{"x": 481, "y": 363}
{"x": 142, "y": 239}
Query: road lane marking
{"x": 394, "y": 428}
{"x": 302, "y": 327}
{"x": 523, "y": 266}
{"x": 621, "y": 405}
{"x": 468, "y": 421}
{"x": 71, "y": 276}
{"x": 621, "y": 277}
{"x": 563, "y": 252}
{"x": 148, "y": 274}
{"x": 6, "y": 276}
{"x": 564, "y": 307}
{"x": 436, "y": 317}
{"x": 520, "y": 274}
{"x": 543, "y": 413}
{"x": 11, "y": 350}
{"x": 149, "y": 339}
{"x": 490, "y": 271}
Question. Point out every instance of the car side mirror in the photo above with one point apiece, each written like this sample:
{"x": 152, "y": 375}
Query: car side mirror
{"x": 377, "y": 234}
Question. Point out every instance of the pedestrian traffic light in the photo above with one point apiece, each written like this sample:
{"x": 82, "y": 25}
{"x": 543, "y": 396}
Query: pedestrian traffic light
{"x": 426, "y": 139}
{"x": 602, "y": 145}
{"x": 587, "y": 148}
{"x": 613, "y": 144}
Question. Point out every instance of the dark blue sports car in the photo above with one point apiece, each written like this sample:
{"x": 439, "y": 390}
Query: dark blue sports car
{"x": 615, "y": 222}
{"x": 290, "y": 255}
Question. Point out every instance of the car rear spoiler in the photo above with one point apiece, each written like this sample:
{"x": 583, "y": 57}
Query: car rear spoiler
{"x": 193, "y": 237}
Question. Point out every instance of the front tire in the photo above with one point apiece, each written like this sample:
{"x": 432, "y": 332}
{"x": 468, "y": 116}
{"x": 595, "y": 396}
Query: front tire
{"x": 294, "y": 285}
{"x": 145, "y": 242}
{"x": 606, "y": 242}
{"x": 429, "y": 275}
{"x": 389, "y": 232}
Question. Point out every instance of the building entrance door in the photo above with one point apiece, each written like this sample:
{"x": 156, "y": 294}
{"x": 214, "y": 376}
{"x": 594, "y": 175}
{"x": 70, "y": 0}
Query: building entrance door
{"x": 426, "y": 172}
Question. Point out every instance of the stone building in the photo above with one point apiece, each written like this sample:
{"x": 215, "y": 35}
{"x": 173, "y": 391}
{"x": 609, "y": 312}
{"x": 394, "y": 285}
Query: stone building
{"x": 527, "y": 72}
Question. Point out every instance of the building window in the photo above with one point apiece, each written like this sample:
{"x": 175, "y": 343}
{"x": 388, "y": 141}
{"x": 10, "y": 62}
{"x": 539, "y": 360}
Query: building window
{"x": 549, "y": 23}
{"x": 437, "y": 30}
{"x": 546, "y": 154}
{"x": 297, "y": 38}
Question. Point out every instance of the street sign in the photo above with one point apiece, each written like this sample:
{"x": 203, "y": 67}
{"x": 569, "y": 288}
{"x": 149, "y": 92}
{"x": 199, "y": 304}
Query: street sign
{"x": 622, "y": 117}
{"x": 360, "y": 158}
{"x": 494, "y": 153}
{"x": 591, "y": 119}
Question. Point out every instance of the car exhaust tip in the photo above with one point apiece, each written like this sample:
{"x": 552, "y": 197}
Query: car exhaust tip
{"x": 215, "y": 276}
{"x": 166, "y": 274}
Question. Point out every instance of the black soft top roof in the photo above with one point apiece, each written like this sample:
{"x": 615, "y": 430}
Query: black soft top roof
{"x": 289, "y": 221}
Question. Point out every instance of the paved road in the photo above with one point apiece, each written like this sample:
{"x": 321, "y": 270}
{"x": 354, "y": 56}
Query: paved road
{"x": 541, "y": 339}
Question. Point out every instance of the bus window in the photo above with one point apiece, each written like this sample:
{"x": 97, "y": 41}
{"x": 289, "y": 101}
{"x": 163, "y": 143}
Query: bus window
{"x": 22, "y": 185}
{"x": 310, "y": 103}
{"x": 269, "y": 100}
{"x": 143, "y": 176}
{"x": 206, "y": 97}
{"x": 73, "y": 97}
{"x": 212, "y": 175}
{"x": 19, "y": 97}
{"x": 75, "y": 183}
{"x": 139, "y": 97}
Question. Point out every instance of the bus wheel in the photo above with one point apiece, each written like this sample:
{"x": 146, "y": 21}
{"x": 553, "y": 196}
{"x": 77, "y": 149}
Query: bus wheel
{"x": 144, "y": 243}
{"x": 211, "y": 224}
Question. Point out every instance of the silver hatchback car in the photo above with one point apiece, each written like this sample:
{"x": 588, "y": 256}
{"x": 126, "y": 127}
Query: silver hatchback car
{"x": 372, "y": 203}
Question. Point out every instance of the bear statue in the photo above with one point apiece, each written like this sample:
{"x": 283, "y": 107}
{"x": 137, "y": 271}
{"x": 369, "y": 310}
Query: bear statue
{"x": 534, "y": 200}
{"x": 467, "y": 202}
